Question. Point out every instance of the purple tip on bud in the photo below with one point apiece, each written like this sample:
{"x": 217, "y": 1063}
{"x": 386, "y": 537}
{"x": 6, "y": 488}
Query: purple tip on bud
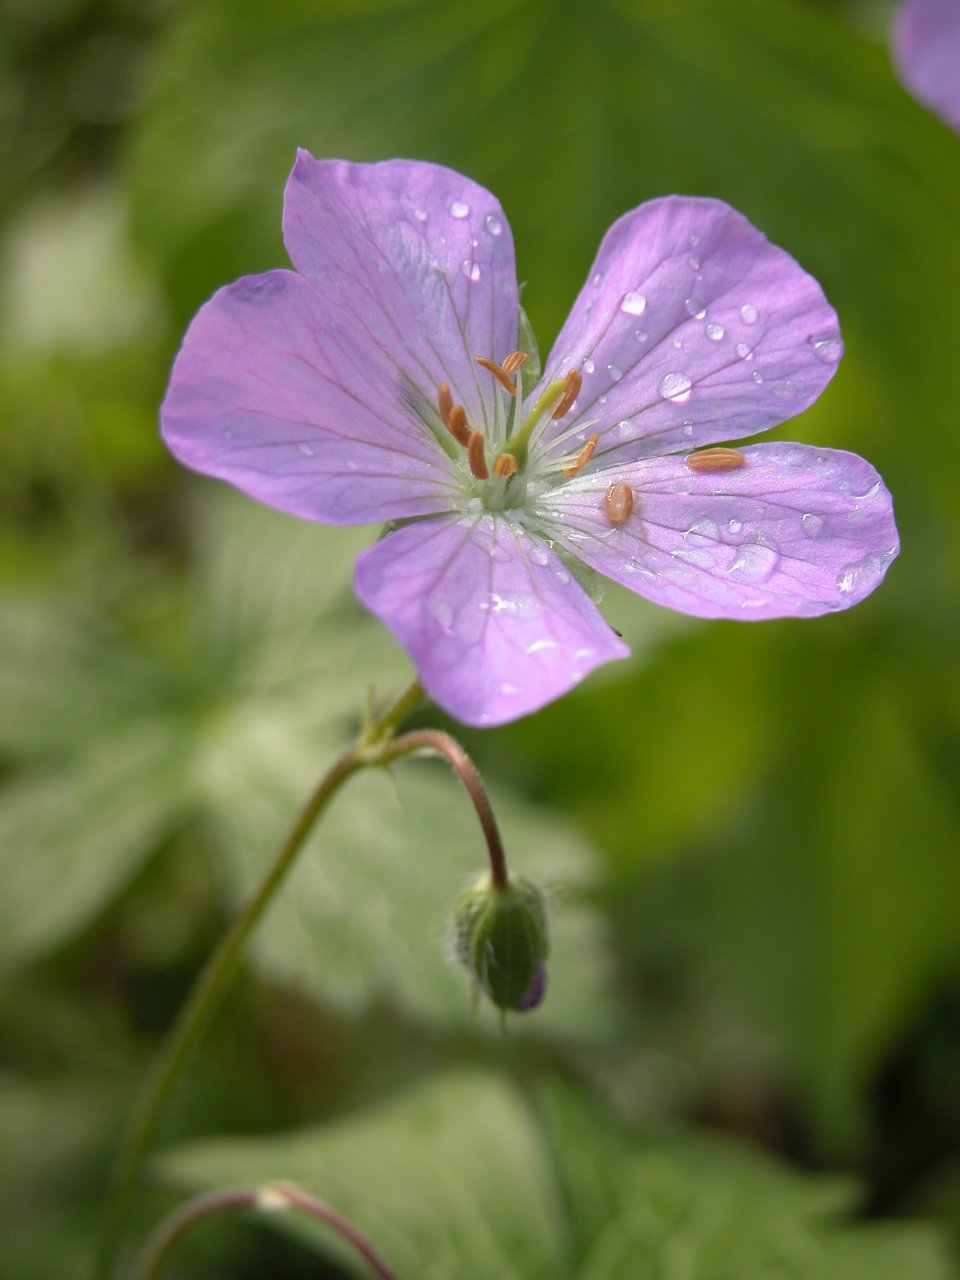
{"x": 535, "y": 992}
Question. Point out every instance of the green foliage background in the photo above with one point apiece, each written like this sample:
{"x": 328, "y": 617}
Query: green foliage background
{"x": 751, "y": 833}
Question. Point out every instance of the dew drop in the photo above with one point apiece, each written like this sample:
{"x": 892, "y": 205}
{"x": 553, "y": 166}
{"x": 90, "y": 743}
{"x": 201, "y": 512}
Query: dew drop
{"x": 757, "y": 376}
{"x": 623, "y": 429}
{"x": 748, "y": 313}
{"x": 687, "y": 428}
{"x": 734, "y": 526}
{"x": 615, "y": 372}
{"x": 307, "y": 450}
{"x": 634, "y": 304}
{"x": 756, "y": 558}
{"x": 539, "y": 554}
{"x": 714, "y": 332}
{"x": 693, "y": 241}
{"x": 508, "y": 688}
{"x": 459, "y": 209}
{"x": 541, "y": 646}
{"x": 702, "y": 532}
{"x": 597, "y": 280}
{"x": 563, "y": 577}
{"x": 744, "y": 351}
{"x": 443, "y": 612}
{"x": 678, "y": 343}
{"x": 811, "y": 524}
{"x": 871, "y": 493}
{"x": 675, "y": 386}
{"x": 695, "y": 308}
{"x": 694, "y": 263}
{"x": 420, "y": 215}
{"x": 470, "y": 269}
{"x": 588, "y": 365}
{"x": 600, "y": 400}
{"x": 493, "y": 224}
{"x": 640, "y": 335}
{"x": 828, "y": 350}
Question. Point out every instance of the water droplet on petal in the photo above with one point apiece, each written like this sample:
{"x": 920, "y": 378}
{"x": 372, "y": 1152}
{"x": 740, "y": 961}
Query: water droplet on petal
{"x": 563, "y": 577}
{"x": 734, "y": 526}
{"x": 600, "y": 400}
{"x": 687, "y": 428}
{"x": 420, "y": 215}
{"x": 508, "y": 688}
{"x": 471, "y": 270}
{"x": 443, "y": 612}
{"x": 588, "y": 365}
{"x": 623, "y": 429}
{"x": 539, "y": 554}
{"x": 748, "y": 313}
{"x": 678, "y": 343}
{"x": 634, "y": 304}
{"x": 757, "y": 376}
{"x": 695, "y": 308}
{"x": 871, "y": 493}
{"x": 756, "y": 558}
{"x": 693, "y": 241}
{"x": 459, "y": 209}
{"x": 493, "y": 224}
{"x": 597, "y": 280}
{"x": 811, "y": 524}
{"x": 640, "y": 335}
{"x": 702, "y": 532}
{"x": 694, "y": 263}
{"x": 615, "y": 372}
{"x": 307, "y": 450}
{"x": 675, "y": 386}
{"x": 714, "y": 332}
{"x": 744, "y": 351}
{"x": 828, "y": 349}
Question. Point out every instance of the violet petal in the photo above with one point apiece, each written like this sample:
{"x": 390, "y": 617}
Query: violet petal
{"x": 796, "y": 531}
{"x": 692, "y": 328}
{"x": 417, "y": 264}
{"x": 263, "y": 396}
{"x": 494, "y": 622}
{"x": 926, "y": 51}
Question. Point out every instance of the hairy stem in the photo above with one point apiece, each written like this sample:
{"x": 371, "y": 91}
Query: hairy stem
{"x": 272, "y": 1198}
{"x": 221, "y": 968}
{"x": 439, "y": 743}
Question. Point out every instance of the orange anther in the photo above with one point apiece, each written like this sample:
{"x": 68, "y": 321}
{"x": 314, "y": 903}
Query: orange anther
{"x": 715, "y": 460}
{"x": 618, "y": 503}
{"x": 444, "y": 402}
{"x": 498, "y": 373}
{"x": 457, "y": 424}
{"x": 505, "y": 464}
{"x": 514, "y": 361}
{"x": 583, "y": 457}
{"x": 571, "y": 390}
{"x": 476, "y": 455}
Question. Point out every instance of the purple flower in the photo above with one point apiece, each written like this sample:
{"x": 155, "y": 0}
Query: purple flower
{"x": 926, "y": 50}
{"x": 382, "y": 381}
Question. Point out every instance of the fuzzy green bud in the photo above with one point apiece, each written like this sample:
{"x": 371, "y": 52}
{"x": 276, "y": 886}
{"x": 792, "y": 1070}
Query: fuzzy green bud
{"x": 500, "y": 933}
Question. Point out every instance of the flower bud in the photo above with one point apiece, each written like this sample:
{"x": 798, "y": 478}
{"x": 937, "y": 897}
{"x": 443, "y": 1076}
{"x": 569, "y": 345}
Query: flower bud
{"x": 500, "y": 933}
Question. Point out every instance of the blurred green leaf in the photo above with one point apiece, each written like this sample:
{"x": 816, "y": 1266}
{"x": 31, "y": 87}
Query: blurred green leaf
{"x": 252, "y": 691}
{"x": 458, "y": 1177}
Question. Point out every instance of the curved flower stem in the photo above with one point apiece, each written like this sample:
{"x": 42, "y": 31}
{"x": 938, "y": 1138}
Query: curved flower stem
{"x": 439, "y": 743}
{"x": 272, "y": 1198}
{"x": 222, "y": 965}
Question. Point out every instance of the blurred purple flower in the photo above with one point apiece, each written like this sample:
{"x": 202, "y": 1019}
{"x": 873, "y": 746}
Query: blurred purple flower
{"x": 926, "y": 50}
{"x": 350, "y": 391}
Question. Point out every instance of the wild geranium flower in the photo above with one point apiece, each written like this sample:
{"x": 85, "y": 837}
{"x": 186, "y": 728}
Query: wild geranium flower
{"x": 926, "y": 50}
{"x": 391, "y": 377}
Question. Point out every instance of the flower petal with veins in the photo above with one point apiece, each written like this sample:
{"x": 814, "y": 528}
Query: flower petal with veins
{"x": 492, "y": 618}
{"x": 265, "y": 396}
{"x": 733, "y": 336}
{"x": 796, "y": 531}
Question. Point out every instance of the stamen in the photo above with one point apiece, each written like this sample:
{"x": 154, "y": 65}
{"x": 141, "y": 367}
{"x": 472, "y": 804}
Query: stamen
{"x": 501, "y": 376}
{"x": 457, "y": 424}
{"x": 513, "y": 362}
{"x": 571, "y": 389}
{"x": 445, "y": 403}
{"x": 505, "y": 464}
{"x": 618, "y": 503}
{"x": 583, "y": 457}
{"x": 715, "y": 460}
{"x": 476, "y": 456}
